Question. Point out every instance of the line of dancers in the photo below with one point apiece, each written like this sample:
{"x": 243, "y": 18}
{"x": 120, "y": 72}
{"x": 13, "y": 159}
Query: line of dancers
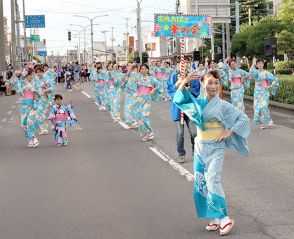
{"x": 36, "y": 86}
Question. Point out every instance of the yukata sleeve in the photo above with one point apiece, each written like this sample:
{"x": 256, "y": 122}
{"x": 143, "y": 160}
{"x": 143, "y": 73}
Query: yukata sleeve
{"x": 72, "y": 119}
{"x": 158, "y": 89}
{"x": 238, "y": 122}
{"x": 273, "y": 83}
{"x": 190, "y": 106}
{"x": 246, "y": 78}
{"x": 51, "y": 114}
{"x": 224, "y": 78}
{"x": 15, "y": 82}
{"x": 170, "y": 85}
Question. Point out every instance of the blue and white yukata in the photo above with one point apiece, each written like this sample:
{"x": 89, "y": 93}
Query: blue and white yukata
{"x": 143, "y": 100}
{"x": 60, "y": 115}
{"x": 212, "y": 119}
{"x": 99, "y": 83}
{"x": 265, "y": 84}
{"x": 47, "y": 87}
{"x": 239, "y": 80}
{"x": 30, "y": 93}
{"x": 130, "y": 89}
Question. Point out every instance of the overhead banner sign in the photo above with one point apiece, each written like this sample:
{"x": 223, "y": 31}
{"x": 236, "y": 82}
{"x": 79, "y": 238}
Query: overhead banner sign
{"x": 169, "y": 25}
{"x": 35, "y": 21}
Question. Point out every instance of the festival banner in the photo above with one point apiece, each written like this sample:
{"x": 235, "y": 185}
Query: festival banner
{"x": 169, "y": 25}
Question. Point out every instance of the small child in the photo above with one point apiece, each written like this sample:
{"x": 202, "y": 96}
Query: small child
{"x": 60, "y": 114}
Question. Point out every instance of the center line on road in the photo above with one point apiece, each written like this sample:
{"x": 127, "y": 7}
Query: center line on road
{"x": 13, "y": 107}
{"x": 4, "y": 120}
{"x": 87, "y": 95}
{"x": 184, "y": 172}
{"x": 9, "y": 112}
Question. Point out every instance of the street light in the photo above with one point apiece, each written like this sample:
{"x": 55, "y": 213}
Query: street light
{"x": 104, "y": 32}
{"x": 91, "y": 20}
{"x": 84, "y": 29}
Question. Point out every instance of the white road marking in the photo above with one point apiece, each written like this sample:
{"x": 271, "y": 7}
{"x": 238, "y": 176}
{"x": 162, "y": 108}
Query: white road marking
{"x": 16, "y": 102}
{"x": 124, "y": 125}
{"x": 97, "y": 104}
{"x": 184, "y": 172}
{"x": 87, "y": 95}
{"x": 4, "y": 120}
{"x": 9, "y": 112}
{"x": 13, "y": 107}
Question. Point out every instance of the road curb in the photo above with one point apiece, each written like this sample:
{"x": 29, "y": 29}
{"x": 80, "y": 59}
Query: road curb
{"x": 272, "y": 103}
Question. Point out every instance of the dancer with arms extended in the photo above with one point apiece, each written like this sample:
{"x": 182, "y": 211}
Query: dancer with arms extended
{"x": 219, "y": 125}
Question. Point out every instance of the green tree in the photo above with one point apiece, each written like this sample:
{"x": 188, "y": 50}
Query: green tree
{"x": 286, "y": 12}
{"x": 286, "y": 42}
{"x": 250, "y": 41}
{"x": 258, "y": 10}
{"x": 286, "y": 37}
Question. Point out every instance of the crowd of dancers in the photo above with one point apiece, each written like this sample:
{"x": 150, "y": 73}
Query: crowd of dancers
{"x": 35, "y": 85}
{"x": 197, "y": 96}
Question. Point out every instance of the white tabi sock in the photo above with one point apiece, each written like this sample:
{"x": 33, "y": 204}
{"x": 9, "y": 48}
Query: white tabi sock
{"x": 224, "y": 221}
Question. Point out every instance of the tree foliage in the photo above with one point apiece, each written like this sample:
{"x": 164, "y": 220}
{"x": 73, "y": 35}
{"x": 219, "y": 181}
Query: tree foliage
{"x": 250, "y": 41}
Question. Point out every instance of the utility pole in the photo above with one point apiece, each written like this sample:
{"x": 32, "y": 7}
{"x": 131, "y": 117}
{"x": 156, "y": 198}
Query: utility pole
{"x": 104, "y": 32}
{"x": 249, "y": 15}
{"x": 13, "y": 40}
{"x": 127, "y": 39}
{"x": 223, "y": 42}
{"x": 24, "y": 31}
{"x": 18, "y": 53}
{"x": 112, "y": 58}
{"x": 2, "y": 41}
{"x": 139, "y": 29}
{"x": 237, "y": 14}
{"x": 178, "y": 48}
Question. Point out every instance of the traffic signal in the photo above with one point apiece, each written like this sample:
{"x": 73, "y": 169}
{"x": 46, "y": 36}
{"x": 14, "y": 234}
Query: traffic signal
{"x": 69, "y": 36}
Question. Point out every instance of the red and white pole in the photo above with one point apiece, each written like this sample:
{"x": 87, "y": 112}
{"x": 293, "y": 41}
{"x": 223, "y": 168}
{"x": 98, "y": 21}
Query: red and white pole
{"x": 182, "y": 42}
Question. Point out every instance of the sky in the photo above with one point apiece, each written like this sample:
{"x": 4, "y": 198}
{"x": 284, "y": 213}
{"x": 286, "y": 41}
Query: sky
{"x": 59, "y": 14}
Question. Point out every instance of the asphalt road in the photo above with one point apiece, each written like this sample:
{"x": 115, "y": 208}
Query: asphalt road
{"x": 108, "y": 184}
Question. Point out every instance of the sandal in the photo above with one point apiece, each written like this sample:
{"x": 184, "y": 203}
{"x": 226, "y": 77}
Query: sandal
{"x": 227, "y": 228}
{"x": 151, "y": 136}
{"x": 212, "y": 227}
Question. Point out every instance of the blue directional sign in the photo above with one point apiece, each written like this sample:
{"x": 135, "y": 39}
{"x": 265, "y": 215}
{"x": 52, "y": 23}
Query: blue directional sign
{"x": 42, "y": 53}
{"x": 35, "y": 21}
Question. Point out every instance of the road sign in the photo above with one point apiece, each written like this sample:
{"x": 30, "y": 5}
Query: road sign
{"x": 35, "y": 21}
{"x": 42, "y": 53}
{"x": 34, "y": 38}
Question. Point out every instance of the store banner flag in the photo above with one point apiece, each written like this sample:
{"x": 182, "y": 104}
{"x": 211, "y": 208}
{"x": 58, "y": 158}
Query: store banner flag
{"x": 169, "y": 25}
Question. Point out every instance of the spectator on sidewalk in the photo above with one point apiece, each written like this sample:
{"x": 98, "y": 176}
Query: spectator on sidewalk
{"x": 5, "y": 87}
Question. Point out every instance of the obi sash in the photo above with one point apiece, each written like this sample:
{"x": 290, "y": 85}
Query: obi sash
{"x": 264, "y": 83}
{"x": 100, "y": 82}
{"x": 111, "y": 81}
{"x": 236, "y": 81}
{"x": 28, "y": 95}
{"x": 144, "y": 90}
{"x": 158, "y": 75}
{"x": 213, "y": 130}
{"x": 61, "y": 117}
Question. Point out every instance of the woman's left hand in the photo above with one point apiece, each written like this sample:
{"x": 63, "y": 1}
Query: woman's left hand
{"x": 153, "y": 91}
{"x": 225, "y": 135}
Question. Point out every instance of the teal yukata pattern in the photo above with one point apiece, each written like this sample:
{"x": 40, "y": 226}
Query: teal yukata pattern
{"x": 209, "y": 154}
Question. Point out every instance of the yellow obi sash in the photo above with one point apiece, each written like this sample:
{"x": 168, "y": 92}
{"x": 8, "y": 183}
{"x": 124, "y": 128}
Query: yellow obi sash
{"x": 213, "y": 130}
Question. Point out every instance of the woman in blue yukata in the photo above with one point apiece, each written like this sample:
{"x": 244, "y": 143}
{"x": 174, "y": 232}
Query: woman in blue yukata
{"x": 265, "y": 84}
{"x": 30, "y": 92}
{"x": 61, "y": 114}
{"x": 239, "y": 80}
{"x": 47, "y": 87}
{"x": 99, "y": 88}
{"x": 130, "y": 89}
{"x": 148, "y": 90}
{"x": 219, "y": 125}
